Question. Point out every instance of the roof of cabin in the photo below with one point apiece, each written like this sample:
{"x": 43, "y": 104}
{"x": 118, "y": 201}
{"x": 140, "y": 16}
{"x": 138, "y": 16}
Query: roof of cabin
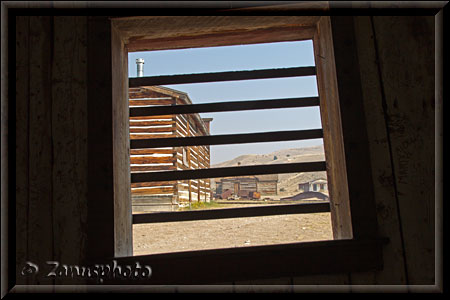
{"x": 184, "y": 97}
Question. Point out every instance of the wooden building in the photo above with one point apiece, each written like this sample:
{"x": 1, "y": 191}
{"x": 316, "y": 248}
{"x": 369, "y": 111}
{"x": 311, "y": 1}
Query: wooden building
{"x": 148, "y": 196}
{"x": 241, "y": 186}
{"x": 317, "y": 185}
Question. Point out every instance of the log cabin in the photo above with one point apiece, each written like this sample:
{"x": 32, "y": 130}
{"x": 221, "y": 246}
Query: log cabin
{"x": 65, "y": 147}
{"x": 242, "y": 186}
{"x": 167, "y": 195}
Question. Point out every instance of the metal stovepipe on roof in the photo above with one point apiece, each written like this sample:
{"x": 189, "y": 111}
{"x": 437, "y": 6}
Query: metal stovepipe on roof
{"x": 140, "y": 67}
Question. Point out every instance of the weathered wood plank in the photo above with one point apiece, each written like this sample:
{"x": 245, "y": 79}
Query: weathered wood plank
{"x": 163, "y": 27}
{"x": 101, "y": 222}
{"x": 122, "y": 199}
{"x": 238, "y": 37}
{"x": 240, "y": 264}
{"x": 40, "y": 216}
{"x": 409, "y": 99}
{"x": 384, "y": 192}
{"x": 332, "y": 128}
{"x": 69, "y": 136}
{"x": 354, "y": 132}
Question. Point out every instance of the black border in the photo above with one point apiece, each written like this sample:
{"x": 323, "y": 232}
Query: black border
{"x": 111, "y": 8}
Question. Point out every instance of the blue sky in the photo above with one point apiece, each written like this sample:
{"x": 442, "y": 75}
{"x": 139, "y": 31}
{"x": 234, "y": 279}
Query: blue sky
{"x": 245, "y": 57}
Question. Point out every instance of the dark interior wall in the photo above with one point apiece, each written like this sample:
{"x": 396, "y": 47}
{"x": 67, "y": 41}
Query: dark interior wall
{"x": 51, "y": 140}
{"x": 396, "y": 59}
{"x": 399, "y": 99}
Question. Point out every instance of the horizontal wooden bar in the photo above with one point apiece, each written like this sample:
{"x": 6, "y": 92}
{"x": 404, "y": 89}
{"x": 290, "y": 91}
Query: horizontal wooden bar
{"x": 243, "y": 138}
{"x": 230, "y": 171}
{"x": 245, "y": 263}
{"x": 228, "y": 213}
{"x": 224, "y": 106}
{"x": 221, "y": 76}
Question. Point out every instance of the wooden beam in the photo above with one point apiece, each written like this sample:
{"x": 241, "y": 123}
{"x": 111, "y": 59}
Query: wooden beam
{"x": 271, "y": 261}
{"x": 230, "y": 171}
{"x": 332, "y": 128}
{"x": 265, "y": 35}
{"x": 222, "y": 76}
{"x": 274, "y": 136}
{"x": 228, "y": 213}
{"x": 225, "y": 106}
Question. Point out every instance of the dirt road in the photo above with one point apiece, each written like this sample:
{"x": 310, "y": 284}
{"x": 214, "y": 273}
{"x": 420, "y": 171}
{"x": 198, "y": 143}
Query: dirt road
{"x": 229, "y": 233}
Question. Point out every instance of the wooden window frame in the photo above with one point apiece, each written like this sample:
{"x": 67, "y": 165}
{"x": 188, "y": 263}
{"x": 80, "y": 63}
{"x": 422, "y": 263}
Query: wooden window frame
{"x": 356, "y": 245}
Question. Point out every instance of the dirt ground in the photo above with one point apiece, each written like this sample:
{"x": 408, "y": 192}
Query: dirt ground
{"x": 230, "y": 233}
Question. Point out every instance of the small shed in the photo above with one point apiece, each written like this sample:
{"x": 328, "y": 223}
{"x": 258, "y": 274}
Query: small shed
{"x": 317, "y": 185}
{"x": 243, "y": 185}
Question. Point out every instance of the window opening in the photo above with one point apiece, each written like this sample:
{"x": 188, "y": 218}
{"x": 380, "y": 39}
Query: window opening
{"x": 163, "y": 115}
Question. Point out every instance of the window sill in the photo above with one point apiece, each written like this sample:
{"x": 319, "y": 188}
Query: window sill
{"x": 234, "y": 264}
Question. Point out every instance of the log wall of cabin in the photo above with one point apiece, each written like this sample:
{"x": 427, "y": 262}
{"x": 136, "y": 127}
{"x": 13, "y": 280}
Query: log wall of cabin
{"x": 198, "y": 157}
{"x": 168, "y": 158}
{"x": 152, "y": 159}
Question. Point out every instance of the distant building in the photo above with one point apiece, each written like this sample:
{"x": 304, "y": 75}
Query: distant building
{"x": 243, "y": 185}
{"x": 314, "y": 189}
{"x": 317, "y": 185}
